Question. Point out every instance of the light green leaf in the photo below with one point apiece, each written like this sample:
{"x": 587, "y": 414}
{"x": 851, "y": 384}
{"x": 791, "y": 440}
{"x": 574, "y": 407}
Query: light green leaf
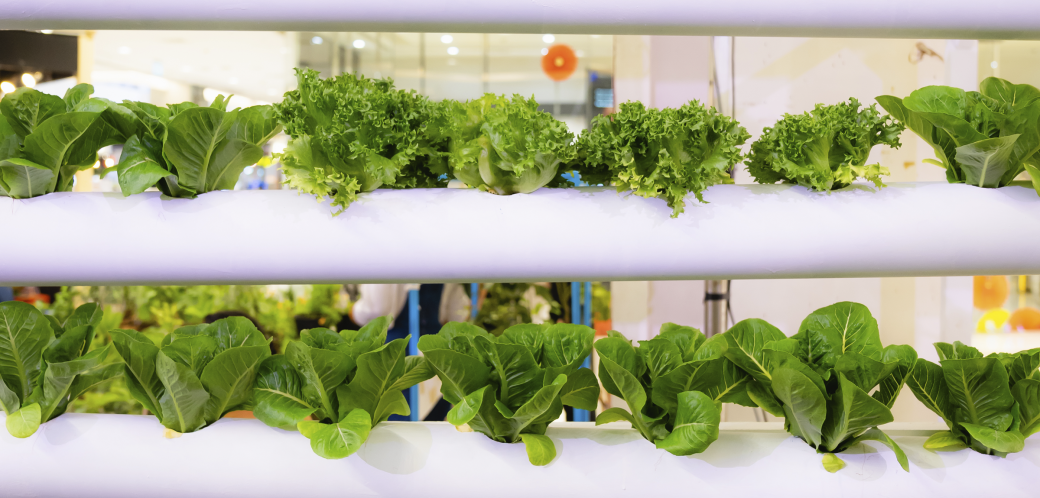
{"x": 339, "y": 440}
{"x": 184, "y": 401}
{"x": 463, "y": 412}
{"x": 696, "y": 426}
{"x": 944, "y": 441}
{"x": 193, "y": 138}
{"x": 614, "y": 415}
{"x": 321, "y": 372}
{"x": 22, "y": 178}
{"x": 194, "y": 352}
{"x": 687, "y": 339}
{"x": 234, "y": 332}
{"x": 278, "y": 394}
{"x": 93, "y": 377}
{"x": 460, "y": 374}
{"x": 831, "y": 463}
{"x": 229, "y": 378}
{"x": 905, "y": 358}
{"x": 9, "y": 401}
{"x": 928, "y": 383}
{"x": 24, "y": 423}
{"x": 621, "y": 353}
{"x": 138, "y": 168}
{"x": 26, "y": 108}
{"x": 838, "y": 329}
{"x": 58, "y": 379}
{"x": 377, "y": 372}
{"x": 763, "y": 397}
{"x": 540, "y": 449}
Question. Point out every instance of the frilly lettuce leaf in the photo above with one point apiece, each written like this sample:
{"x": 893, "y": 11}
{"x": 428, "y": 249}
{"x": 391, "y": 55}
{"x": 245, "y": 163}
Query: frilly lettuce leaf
{"x": 665, "y": 153}
{"x": 352, "y": 134}
{"x": 825, "y": 148}
{"x": 505, "y": 146}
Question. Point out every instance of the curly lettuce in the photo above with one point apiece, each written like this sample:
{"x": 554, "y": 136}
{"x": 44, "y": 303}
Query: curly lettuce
{"x": 823, "y": 149}
{"x": 664, "y": 153}
{"x": 505, "y": 146}
{"x": 351, "y": 134}
{"x": 983, "y": 138}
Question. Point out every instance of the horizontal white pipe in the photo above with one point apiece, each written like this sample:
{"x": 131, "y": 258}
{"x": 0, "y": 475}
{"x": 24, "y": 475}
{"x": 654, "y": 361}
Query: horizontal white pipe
{"x": 961, "y": 19}
{"x": 112, "y": 456}
{"x": 552, "y": 235}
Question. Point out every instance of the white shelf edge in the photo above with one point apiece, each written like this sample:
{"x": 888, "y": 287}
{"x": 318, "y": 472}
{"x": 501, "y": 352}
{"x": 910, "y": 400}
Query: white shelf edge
{"x": 956, "y": 19}
{"x": 554, "y": 235}
{"x": 113, "y": 456}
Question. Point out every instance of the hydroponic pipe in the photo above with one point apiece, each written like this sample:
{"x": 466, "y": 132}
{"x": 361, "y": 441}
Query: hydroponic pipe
{"x": 744, "y": 231}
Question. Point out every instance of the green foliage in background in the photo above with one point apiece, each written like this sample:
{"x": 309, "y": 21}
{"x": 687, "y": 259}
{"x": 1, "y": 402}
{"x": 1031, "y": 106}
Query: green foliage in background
{"x": 824, "y": 149}
{"x": 991, "y": 404}
{"x": 505, "y": 305}
{"x": 983, "y": 138}
{"x": 665, "y": 153}
{"x": 510, "y": 387}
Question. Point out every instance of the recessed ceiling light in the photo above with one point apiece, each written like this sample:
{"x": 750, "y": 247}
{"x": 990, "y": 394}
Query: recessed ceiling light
{"x": 548, "y": 38}
{"x": 46, "y": 31}
{"x": 453, "y": 50}
{"x": 446, "y": 39}
{"x": 359, "y": 43}
{"x": 317, "y": 40}
{"x": 28, "y": 80}
{"x": 7, "y": 87}
{"x": 124, "y": 50}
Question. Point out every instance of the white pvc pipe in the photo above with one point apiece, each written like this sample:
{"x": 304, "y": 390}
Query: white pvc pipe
{"x": 552, "y": 235}
{"x": 957, "y": 19}
{"x": 112, "y": 456}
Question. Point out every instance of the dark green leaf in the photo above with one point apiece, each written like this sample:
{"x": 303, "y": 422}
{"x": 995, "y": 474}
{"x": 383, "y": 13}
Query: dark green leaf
{"x": 229, "y": 378}
{"x": 139, "y": 355}
{"x": 928, "y": 383}
{"x": 979, "y": 392}
{"x": 1027, "y": 393}
{"x": 851, "y": 411}
{"x": 194, "y": 352}
{"x": 278, "y": 394}
{"x": 1004, "y": 442}
{"x": 581, "y": 390}
{"x": 24, "y": 333}
{"x": 746, "y": 342}
{"x": 184, "y": 401}
{"x": 905, "y": 358}
{"x": 805, "y": 406}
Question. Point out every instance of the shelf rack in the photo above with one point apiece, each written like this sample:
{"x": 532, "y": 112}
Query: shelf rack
{"x": 956, "y": 19}
{"x": 744, "y": 231}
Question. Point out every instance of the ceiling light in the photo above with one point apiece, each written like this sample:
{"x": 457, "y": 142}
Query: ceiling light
{"x": 446, "y": 39}
{"x": 359, "y": 43}
{"x": 28, "y": 80}
{"x": 545, "y": 51}
{"x": 453, "y": 50}
{"x": 46, "y": 31}
{"x": 109, "y": 162}
{"x": 548, "y": 38}
{"x": 124, "y": 50}
{"x": 316, "y": 40}
{"x": 993, "y": 64}
{"x": 6, "y": 87}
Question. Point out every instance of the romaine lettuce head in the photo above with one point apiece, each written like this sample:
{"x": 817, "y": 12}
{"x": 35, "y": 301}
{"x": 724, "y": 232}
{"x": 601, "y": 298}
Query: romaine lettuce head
{"x": 505, "y": 146}
{"x": 984, "y": 138}
{"x": 824, "y": 149}
{"x": 664, "y": 153}
{"x": 353, "y": 134}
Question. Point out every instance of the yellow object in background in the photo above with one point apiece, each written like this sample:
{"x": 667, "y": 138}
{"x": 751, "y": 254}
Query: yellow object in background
{"x": 990, "y": 292}
{"x": 1025, "y": 319}
{"x": 992, "y": 320}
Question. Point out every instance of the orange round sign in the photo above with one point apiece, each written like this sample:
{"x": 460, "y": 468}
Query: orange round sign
{"x": 559, "y": 63}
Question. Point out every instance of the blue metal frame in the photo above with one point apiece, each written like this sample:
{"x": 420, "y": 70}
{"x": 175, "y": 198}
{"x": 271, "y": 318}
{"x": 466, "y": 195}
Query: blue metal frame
{"x": 474, "y": 289}
{"x": 413, "y": 350}
{"x": 581, "y": 312}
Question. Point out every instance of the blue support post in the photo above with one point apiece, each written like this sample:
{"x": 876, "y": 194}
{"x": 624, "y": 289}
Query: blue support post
{"x": 413, "y": 350}
{"x": 474, "y": 290}
{"x": 578, "y": 315}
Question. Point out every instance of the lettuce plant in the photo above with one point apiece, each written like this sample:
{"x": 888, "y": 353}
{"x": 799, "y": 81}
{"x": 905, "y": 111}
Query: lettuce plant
{"x": 510, "y": 387}
{"x": 820, "y": 380}
{"x": 353, "y": 134}
{"x": 983, "y": 138}
{"x": 186, "y": 150}
{"x": 347, "y": 383}
{"x": 197, "y": 374}
{"x": 505, "y": 146}
{"x": 674, "y": 385}
{"x": 665, "y": 153}
{"x": 45, "y": 140}
{"x": 824, "y": 149}
{"x": 991, "y": 404}
{"x": 45, "y": 364}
